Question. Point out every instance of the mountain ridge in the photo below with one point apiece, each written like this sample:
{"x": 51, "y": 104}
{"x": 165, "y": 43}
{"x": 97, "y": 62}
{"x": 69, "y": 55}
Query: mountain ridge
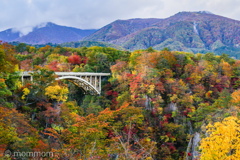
{"x": 120, "y": 28}
{"x": 200, "y": 31}
{"x": 48, "y": 33}
{"x": 185, "y": 31}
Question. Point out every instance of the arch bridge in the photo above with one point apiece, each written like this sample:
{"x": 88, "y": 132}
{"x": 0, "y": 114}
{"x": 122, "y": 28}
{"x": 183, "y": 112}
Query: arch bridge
{"x": 89, "y": 82}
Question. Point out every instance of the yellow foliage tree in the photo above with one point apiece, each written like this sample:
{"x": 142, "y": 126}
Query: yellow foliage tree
{"x": 32, "y": 49}
{"x": 26, "y": 91}
{"x": 223, "y": 142}
{"x": 57, "y": 92}
{"x": 236, "y": 97}
{"x": 226, "y": 67}
{"x": 53, "y": 57}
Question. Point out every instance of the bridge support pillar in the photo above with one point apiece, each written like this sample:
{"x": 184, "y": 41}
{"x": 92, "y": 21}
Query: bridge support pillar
{"x": 100, "y": 80}
{"x": 22, "y": 80}
{"x": 95, "y": 82}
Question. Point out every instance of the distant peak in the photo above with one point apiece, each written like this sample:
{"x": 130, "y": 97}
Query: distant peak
{"x": 205, "y": 12}
{"x": 189, "y": 12}
{"x": 44, "y": 24}
{"x": 50, "y": 24}
{"x": 41, "y": 25}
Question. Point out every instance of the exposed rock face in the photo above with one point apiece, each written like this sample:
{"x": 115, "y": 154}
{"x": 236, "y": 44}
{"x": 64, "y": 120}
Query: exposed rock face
{"x": 195, "y": 144}
{"x": 190, "y": 128}
{"x": 188, "y": 149}
{"x": 171, "y": 107}
{"x": 193, "y": 147}
{"x": 147, "y": 102}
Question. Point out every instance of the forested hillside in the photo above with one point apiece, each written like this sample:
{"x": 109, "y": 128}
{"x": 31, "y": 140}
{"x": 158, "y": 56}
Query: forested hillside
{"x": 80, "y": 44}
{"x": 156, "y": 104}
{"x": 197, "y": 32}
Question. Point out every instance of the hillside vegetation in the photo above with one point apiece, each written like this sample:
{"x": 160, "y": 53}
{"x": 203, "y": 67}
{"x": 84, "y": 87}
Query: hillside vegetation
{"x": 197, "y": 32}
{"x": 156, "y": 104}
{"x": 90, "y": 44}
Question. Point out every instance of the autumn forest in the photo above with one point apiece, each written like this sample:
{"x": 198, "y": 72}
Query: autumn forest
{"x": 156, "y": 105}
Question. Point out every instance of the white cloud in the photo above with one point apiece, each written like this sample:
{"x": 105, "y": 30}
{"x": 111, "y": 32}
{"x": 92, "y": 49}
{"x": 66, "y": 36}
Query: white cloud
{"x": 23, "y": 30}
{"x": 97, "y": 13}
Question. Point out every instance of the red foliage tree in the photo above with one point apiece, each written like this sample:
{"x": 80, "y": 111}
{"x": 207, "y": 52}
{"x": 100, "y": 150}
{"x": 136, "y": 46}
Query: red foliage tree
{"x": 75, "y": 59}
{"x": 85, "y": 59}
{"x": 54, "y": 66}
{"x": 26, "y": 64}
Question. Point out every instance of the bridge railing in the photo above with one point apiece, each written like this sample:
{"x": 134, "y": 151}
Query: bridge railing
{"x": 27, "y": 73}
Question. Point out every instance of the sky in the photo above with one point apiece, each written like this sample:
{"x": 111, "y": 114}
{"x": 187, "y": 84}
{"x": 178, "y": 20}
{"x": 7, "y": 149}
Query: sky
{"x": 94, "y": 14}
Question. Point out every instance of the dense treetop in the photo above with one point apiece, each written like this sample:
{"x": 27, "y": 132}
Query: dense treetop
{"x": 151, "y": 107}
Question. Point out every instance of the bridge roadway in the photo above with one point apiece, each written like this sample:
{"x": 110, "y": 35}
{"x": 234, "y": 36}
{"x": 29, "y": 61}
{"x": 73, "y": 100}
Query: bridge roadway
{"x": 88, "y": 81}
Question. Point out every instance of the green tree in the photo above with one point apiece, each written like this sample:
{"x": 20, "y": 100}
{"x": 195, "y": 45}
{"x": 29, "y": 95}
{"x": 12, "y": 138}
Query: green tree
{"x": 21, "y": 47}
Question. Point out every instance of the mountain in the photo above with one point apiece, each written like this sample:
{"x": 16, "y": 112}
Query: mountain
{"x": 184, "y": 31}
{"x": 9, "y": 35}
{"x": 120, "y": 28}
{"x": 49, "y": 33}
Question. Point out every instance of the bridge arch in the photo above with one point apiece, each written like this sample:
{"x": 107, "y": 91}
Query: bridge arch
{"x": 87, "y": 81}
{"x": 85, "y": 85}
